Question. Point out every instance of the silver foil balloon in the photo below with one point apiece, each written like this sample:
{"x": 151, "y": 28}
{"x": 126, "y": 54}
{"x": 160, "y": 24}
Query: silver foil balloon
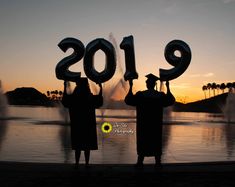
{"x": 127, "y": 45}
{"x": 62, "y": 68}
{"x": 180, "y": 63}
{"x": 110, "y": 64}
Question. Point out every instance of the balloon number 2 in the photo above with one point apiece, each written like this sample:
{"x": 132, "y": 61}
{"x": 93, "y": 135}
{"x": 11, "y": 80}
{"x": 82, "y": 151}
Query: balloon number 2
{"x": 62, "y": 68}
{"x": 62, "y": 71}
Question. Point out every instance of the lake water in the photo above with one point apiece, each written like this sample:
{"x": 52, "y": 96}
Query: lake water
{"x": 40, "y": 134}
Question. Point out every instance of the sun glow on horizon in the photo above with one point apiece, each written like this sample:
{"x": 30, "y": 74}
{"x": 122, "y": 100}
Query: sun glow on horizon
{"x": 31, "y": 32}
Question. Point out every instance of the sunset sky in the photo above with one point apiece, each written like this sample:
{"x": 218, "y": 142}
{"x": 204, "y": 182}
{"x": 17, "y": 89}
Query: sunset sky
{"x": 30, "y": 31}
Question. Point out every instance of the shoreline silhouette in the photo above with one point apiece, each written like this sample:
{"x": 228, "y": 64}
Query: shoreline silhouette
{"x": 209, "y": 105}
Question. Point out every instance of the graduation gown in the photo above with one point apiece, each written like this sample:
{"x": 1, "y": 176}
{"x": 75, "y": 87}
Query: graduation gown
{"x": 149, "y": 106}
{"x": 83, "y": 119}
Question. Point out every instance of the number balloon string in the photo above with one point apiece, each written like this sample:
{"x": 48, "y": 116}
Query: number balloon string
{"x": 180, "y": 63}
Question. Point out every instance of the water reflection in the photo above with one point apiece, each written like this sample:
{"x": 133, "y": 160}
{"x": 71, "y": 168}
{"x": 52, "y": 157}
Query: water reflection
{"x": 3, "y": 115}
{"x": 229, "y": 136}
{"x": 119, "y": 144}
{"x": 166, "y": 138}
{"x": 199, "y": 138}
{"x": 65, "y": 142}
{"x": 212, "y": 134}
{"x": 222, "y": 136}
{"x": 3, "y": 131}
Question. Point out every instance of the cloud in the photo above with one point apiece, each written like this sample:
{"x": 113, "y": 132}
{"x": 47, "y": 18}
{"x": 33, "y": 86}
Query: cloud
{"x": 228, "y": 1}
{"x": 195, "y": 75}
{"x": 181, "y": 85}
{"x": 172, "y": 8}
{"x": 209, "y": 74}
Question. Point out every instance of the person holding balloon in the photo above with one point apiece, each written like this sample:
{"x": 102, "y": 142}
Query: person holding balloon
{"x": 82, "y": 104}
{"x": 149, "y": 105}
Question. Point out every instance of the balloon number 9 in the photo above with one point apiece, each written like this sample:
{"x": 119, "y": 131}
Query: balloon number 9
{"x": 62, "y": 69}
{"x": 180, "y": 63}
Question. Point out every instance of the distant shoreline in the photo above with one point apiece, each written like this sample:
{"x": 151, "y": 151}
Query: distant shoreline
{"x": 32, "y": 97}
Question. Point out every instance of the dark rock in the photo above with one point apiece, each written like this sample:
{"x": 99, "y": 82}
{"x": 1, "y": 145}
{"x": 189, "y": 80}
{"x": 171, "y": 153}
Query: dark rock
{"x": 211, "y": 105}
{"x": 27, "y": 96}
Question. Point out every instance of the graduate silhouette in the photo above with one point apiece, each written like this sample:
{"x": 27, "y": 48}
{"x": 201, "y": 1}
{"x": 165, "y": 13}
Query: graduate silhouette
{"x": 149, "y": 105}
{"x": 82, "y": 104}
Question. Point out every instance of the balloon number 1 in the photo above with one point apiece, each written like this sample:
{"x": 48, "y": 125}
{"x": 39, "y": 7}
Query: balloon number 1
{"x": 127, "y": 45}
{"x": 62, "y": 69}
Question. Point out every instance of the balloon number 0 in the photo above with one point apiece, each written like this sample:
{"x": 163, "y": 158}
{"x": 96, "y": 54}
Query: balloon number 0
{"x": 180, "y": 63}
{"x": 110, "y": 65}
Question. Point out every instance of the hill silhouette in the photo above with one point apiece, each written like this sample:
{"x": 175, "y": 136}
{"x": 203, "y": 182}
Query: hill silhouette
{"x": 213, "y": 105}
{"x": 31, "y": 96}
{"x": 27, "y": 96}
{"x": 210, "y": 105}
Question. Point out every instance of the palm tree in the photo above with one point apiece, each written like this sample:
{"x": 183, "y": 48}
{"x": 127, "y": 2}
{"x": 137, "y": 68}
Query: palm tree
{"x": 60, "y": 94}
{"x": 229, "y": 86}
{"x": 48, "y": 94}
{"x": 209, "y": 87}
{"x": 217, "y": 88}
{"x": 222, "y": 87}
{"x": 213, "y": 87}
{"x": 204, "y": 88}
{"x": 233, "y": 86}
{"x": 56, "y": 93}
{"x": 52, "y": 95}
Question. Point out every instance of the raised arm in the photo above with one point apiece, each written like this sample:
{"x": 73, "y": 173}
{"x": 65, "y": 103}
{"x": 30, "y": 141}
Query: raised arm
{"x": 131, "y": 86}
{"x": 101, "y": 89}
{"x": 170, "y": 99}
{"x": 65, "y": 98}
{"x": 130, "y": 98}
{"x": 98, "y": 99}
{"x": 65, "y": 85}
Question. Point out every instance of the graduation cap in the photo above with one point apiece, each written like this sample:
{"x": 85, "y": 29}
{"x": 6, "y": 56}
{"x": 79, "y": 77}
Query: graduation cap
{"x": 152, "y": 78}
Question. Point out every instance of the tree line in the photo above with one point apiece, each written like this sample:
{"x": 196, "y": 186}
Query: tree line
{"x": 217, "y": 87}
{"x": 54, "y": 95}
